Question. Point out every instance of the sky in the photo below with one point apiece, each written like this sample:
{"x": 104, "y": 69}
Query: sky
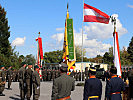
{"x": 28, "y": 17}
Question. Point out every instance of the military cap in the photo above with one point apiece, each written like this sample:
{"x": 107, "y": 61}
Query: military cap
{"x": 63, "y": 67}
{"x": 1, "y": 66}
{"x": 29, "y": 63}
{"x": 23, "y": 63}
{"x": 113, "y": 70}
{"x": 36, "y": 66}
{"x": 93, "y": 69}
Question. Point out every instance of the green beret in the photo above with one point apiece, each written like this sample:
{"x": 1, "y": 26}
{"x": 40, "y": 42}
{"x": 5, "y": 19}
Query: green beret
{"x": 36, "y": 66}
{"x": 29, "y": 63}
{"x": 1, "y": 66}
{"x": 23, "y": 63}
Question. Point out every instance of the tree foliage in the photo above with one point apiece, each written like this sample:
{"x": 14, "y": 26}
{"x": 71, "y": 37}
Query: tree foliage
{"x": 130, "y": 50}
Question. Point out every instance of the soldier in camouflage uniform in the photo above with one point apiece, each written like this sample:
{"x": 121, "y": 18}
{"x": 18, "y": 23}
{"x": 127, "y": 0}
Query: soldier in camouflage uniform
{"x": 79, "y": 74}
{"x": 2, "y": 80}
{"x": 76, "y": 75}
{"x": 36, "y": 83}
{"x": 53, "y": 74}
{"x": 83, "y": 75}
{"x": 9, "y": 77}
{"x": 45, "y": 75}
{"x": 22, "y": 84}
{"x": 14, "y": 75}
{"x": 49, "y": 75}
{"x": 28, "y": 78}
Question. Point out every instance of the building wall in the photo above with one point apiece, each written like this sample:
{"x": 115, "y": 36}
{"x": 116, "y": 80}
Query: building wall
{"x": 87, "y": 64}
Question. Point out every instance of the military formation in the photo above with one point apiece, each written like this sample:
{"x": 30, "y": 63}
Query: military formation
{"x": 29, "y": 82}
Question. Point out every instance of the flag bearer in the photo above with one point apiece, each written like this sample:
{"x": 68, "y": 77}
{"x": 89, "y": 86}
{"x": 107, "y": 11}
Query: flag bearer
{"x": 114, "y": 86}
{"x": 93, "y": 86}
{"x": 63, "y": 85}
{"x": 36, "y": 83}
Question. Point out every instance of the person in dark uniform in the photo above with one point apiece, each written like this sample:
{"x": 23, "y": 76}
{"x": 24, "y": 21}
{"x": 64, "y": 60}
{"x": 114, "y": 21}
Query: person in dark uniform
{"x": 114, "y": 86}
{"x": 22, "y": 83}
{"x": 9, "y": 77}
{"x": 63, "y": 85}
{"x": 130, "y": 77}
{"x": 93, "y": 86}
{"x": 36, "y": 83}
{"x": 2, "y": 80}
{"x": 28, "y": 78}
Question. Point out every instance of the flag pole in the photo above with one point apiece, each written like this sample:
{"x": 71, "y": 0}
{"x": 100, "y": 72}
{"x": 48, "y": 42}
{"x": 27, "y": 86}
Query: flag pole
{"x": 82, "y": 43}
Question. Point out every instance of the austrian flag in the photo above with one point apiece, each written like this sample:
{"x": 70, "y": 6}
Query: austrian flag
{"x": 92, "y": 14}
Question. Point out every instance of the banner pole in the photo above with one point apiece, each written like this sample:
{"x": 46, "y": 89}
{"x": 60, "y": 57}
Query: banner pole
{"x": 82, "y": 43}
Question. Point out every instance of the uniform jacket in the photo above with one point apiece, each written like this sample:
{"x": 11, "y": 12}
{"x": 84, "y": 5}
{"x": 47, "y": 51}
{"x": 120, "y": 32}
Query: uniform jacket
{"x": 114, "y": 85}
{"x": 62, "y": 87}
{"x": 36, "y": 82}
{"x": 93, "y": 87}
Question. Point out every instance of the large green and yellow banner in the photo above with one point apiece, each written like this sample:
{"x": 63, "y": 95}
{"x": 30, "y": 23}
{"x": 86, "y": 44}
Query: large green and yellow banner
{"x": 70, "y": 38}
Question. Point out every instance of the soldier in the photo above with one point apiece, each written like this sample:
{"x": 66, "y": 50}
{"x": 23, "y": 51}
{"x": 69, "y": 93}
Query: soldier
{"x": 130, "y": 77}
{"x": 14, "y": 75}
{"x": 9, "y": 77}
{"x": 2, "y": 80}
{"x": 49, "y": 75}
{"x": 79, "y": 75}
{"x": 53, "y": 74}
{"x": 36, "y": 83}
{"x": 83, "y": 75}
{"x": 93, "y": 86}
{"x": 28, "y": 78}
{"x": 76, "y": 75}
{"x": 22, "y": 84}
{"x": 63, "y": 85}
{"x": 114, "y": 86}
{"x": 86, "y": 73}
{"x": 124, "y": 75}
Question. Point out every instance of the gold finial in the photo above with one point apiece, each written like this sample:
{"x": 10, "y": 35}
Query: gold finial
{"x": 39, "y": 33}
{"x": 67, "y": 7}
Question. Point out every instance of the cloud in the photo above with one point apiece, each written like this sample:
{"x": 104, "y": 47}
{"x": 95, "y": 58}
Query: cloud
{"x": 58, "y": 37}
{"x": 94, "y": 34}
{"x": 130, "y": 6}
{"x": 18, "y": 41}
{"x": 59, "y": 29}
{"x": 103, "y": 31}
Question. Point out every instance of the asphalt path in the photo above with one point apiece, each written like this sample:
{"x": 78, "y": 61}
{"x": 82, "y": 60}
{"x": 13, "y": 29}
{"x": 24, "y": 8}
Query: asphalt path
{"x": 46, "y": 90}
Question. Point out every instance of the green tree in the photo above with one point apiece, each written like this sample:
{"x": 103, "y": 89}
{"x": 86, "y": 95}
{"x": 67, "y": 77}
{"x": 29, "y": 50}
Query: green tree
{"x": 30, "y": 59}
{"x": 5, "y": 47}
{"x": 53, "y": 57}
{"x": 130, "y": 50}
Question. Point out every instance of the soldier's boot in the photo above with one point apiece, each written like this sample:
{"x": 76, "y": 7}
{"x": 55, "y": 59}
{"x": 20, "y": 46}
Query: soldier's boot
{"x": 1, "y": 94}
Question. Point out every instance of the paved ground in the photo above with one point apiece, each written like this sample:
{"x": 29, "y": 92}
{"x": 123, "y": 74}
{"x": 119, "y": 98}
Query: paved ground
{"x": 46, "y": 90}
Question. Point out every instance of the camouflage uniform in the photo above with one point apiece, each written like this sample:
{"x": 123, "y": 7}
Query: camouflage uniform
{"x": 28, "y": 78}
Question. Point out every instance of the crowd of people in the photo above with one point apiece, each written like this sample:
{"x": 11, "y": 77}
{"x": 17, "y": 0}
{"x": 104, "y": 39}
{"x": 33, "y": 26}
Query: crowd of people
{"x": 63, "y": 84}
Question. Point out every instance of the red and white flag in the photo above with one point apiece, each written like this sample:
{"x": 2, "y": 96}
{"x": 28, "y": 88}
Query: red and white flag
{"x": 117, "y": 62}
{"x": 92, "y": 14}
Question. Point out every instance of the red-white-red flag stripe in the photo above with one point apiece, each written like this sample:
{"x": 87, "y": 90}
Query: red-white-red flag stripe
{"x": 117, "y": 62}
{"x": 92, "y": 14}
